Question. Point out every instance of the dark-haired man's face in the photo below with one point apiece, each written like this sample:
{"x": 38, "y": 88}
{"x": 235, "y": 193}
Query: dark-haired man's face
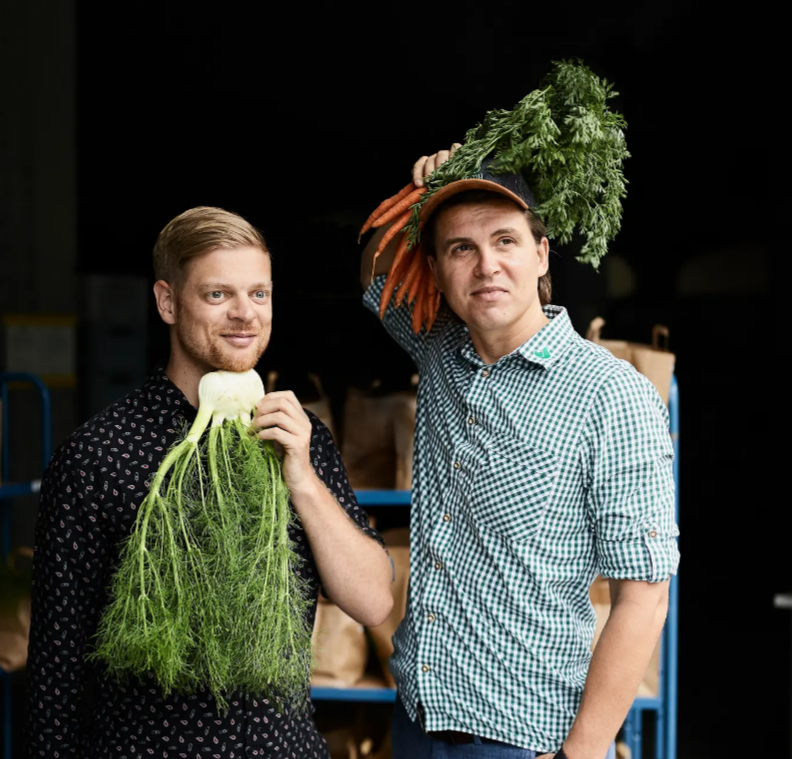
{"x": 223, "y": 316}
{"x": 488, "y": 266}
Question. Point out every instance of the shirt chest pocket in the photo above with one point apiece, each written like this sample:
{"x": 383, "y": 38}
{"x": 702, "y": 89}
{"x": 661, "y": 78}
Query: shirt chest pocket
{"x": 512, "y": 488}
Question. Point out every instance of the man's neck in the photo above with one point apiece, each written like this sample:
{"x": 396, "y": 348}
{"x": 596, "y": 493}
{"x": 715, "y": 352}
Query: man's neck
{"x": 494, "y": 345}
{"x": 185, "y": 374}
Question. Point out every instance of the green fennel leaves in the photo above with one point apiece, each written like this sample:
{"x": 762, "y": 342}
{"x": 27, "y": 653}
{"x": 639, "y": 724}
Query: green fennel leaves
{"x": 207, "y": 592}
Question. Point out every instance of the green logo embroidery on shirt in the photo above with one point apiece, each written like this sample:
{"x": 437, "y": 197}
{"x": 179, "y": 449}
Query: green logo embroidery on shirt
{"x": 544, "y": 353}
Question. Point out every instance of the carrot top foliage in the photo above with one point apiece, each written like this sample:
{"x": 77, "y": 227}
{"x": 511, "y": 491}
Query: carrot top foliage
{"x": 570, "y": 147}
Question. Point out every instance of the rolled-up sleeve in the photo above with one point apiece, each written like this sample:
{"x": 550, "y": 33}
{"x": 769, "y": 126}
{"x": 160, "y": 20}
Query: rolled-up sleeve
{"x": 631, "y": 492}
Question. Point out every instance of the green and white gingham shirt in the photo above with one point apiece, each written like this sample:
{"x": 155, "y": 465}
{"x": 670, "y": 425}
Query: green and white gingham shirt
{"x": 531, "y": 475}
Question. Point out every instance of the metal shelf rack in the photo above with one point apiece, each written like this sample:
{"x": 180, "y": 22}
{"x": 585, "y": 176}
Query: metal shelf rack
{"x": 663, "y": 706}
{"x": 14, "y": 490}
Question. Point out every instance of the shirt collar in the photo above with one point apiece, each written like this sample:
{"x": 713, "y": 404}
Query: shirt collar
{"x": 164, "y": 395}
{"x": 546, "y": 347}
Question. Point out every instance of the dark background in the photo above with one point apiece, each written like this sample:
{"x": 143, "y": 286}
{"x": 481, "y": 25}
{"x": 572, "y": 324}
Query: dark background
{"x": 302, "y": 118}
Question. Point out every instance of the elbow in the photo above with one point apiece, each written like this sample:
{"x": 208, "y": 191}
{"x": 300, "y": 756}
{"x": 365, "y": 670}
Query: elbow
{"x": 661, "y": 611}
{"x": 378, "y": 614}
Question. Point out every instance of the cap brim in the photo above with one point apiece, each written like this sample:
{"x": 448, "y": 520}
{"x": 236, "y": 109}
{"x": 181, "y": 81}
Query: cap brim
{"x": 464, "y": 185}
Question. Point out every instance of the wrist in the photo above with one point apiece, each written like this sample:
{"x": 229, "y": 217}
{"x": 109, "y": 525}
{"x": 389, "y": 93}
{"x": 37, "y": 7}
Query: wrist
{"x": 307, "y": 488}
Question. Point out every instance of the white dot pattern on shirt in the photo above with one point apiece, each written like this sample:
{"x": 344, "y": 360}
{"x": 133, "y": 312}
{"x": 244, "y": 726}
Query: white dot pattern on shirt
{"x": 89, "y": 499}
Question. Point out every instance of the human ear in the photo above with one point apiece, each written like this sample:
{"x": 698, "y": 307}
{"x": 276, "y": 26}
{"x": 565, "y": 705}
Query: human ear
{"x": 543, "y": 254}
{"x": 166, "y": 301}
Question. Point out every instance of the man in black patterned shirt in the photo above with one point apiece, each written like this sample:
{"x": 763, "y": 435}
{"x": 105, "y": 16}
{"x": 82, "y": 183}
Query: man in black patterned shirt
{"x": 214, "y": 291}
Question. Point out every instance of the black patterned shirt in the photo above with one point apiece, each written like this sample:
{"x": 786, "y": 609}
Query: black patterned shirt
{"x": 89, "y": 498}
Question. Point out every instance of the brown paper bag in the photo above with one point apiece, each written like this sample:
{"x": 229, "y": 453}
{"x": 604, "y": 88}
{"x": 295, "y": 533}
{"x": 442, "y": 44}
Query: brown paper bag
{"x": 340, "y": 647}
{"x": 378, "y": 438}
{"x": 403, "y": 439}
{"x": 653, "y": 361}
{"x": 320, "y": 406}
{"x": 600, "y": 600}
{"x": 341, "y": 743}
{"x": 398, "y": 543}
{"x": 14, "y": 613}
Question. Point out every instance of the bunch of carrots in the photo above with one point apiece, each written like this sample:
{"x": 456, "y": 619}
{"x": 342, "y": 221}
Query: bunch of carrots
{"x": 409, "y": 271}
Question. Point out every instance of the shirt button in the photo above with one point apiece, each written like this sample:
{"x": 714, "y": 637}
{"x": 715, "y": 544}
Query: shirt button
{"x": 472, "y": 420}
{"x": 425, "y": 668}
{"x": 431, "y": 617}
{"x": 438, "y": 565}
{"x": 485, "y": 373}
{"x": 446, "y": 517}
{"x": 653, "y": 534}
{"x": 457, "y": 465}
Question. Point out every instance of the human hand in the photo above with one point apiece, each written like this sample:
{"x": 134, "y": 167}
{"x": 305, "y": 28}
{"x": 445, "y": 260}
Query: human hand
{"x": 280, "y": 418}
{"x": 425, "y": 165}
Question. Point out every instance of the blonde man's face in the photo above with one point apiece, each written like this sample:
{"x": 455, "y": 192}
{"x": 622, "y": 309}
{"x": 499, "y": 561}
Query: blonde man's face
{"x": 223, "y": 312}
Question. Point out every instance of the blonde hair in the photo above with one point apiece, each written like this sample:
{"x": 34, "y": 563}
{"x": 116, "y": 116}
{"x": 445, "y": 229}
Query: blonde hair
{"x": 198, "y": 231}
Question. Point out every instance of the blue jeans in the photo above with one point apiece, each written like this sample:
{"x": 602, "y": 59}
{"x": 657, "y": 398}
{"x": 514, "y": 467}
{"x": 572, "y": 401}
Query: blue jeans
{"x": 410, "y": 742}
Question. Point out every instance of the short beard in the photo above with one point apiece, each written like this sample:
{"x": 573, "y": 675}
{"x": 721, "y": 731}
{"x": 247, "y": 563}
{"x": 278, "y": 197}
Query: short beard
{"x": 213, "y": 358}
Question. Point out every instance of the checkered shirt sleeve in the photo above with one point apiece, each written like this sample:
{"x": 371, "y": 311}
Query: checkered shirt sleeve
{"x": 398, "y": 322}
{"x": 631, "y": 498}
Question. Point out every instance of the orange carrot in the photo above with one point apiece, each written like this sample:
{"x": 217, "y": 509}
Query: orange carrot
{"x": 417, "y": 284}
{"x": 434, "y": 308}
{"x": 430, "y": 311}
{"x": 398, "y": 269}
{"x": 384, "y": 206}
{"x": 397, "y": 227}
{"x": 419, "y": 311}
{"x": 400, "y": 207}
{"x": 412, "y": 273}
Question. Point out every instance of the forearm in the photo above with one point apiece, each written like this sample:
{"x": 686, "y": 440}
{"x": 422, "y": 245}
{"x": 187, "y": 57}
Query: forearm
{"x": 617, "y": 668}
{"x": 354, "y": 569}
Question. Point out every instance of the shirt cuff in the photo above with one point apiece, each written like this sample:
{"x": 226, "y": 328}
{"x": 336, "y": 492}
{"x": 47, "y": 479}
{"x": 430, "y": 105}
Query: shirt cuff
{"x": 650, "y": 557}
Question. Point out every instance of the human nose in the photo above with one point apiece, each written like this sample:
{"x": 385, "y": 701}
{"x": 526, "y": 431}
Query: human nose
{"x": 241, "y": 309}
{"x": 488, "y": 264}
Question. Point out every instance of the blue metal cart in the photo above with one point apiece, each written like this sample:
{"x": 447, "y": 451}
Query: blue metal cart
{"x": 14, "y": 490}
{"x": 663, "y": 707}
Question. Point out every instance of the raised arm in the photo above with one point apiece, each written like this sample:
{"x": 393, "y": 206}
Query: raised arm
{"x": 421, "y": 169}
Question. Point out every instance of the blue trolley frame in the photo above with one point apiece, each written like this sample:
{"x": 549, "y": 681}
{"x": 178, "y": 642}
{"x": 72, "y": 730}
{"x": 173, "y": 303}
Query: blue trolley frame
{"x": 14, "y": 490}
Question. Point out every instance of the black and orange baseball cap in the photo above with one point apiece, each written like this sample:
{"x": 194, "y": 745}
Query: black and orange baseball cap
{"x": 512, "y": 186}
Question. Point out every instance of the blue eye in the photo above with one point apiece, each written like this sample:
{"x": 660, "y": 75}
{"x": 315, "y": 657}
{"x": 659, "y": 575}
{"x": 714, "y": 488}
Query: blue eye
{"x": 215, "y": 295}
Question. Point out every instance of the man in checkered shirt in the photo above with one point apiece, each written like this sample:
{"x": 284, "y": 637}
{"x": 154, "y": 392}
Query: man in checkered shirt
{"x": 540, "y": 462}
